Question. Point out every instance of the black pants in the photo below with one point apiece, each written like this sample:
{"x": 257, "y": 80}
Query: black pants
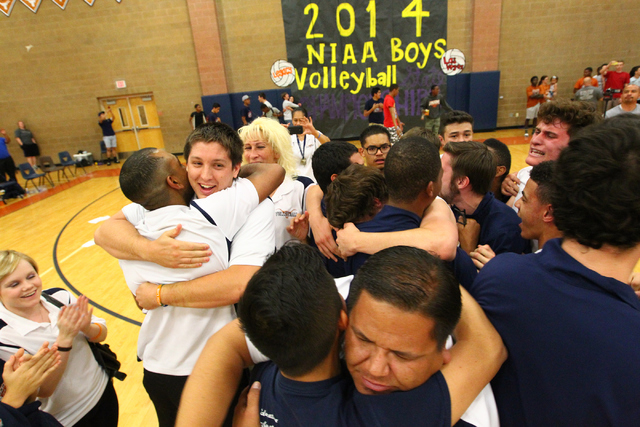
{"x": 105, "y": 413}
{"x": 8, "y": 167}
{"x": 164, "y": 391}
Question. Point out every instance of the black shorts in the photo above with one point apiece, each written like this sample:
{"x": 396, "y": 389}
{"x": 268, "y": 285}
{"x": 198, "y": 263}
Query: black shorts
{"x": 30, "y": 150}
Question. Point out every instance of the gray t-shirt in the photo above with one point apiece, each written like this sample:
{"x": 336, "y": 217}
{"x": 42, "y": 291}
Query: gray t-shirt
{"x": 25, "y": 135}
{"x": 589, "y": 93}
{"x": 615, "y": 111}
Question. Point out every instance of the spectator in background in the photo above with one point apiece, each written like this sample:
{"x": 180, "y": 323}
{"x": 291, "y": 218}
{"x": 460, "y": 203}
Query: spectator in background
{"x": 245, "y": 112}
{"x": 433, "y": 107}
{"x": 287, "y": 108}
{"x": 534, "y": 98}
{"x": 589, "y": 93}
{"x": 305, "y": 143}
{"x": 544, "y": 87}
{"x": 629, "y": 103}
{"x": 373, "y": 107}
{"x": 599, "y": 78}
{"x": 108, "y": 135}
{"x": 585, "y": 74}
{"x": 634, "y": 76}
{"x": 27, "y": 142}
{"x": 213, "y": 116}
{"x": 391, "y": 120}
{"x": 503, "y": 159}
{"x": 270, "y": 112}
{"x": 262, "y": 99}
{"x": 615, "y": 80}
{"x": 553, "y": 88}
{"x": 197, "y": 117}
{"x": 7, "y": 166}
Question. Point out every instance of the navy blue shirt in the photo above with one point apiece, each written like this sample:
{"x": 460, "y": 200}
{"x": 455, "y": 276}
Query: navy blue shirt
{"x": 246, "y": 113}
{"x": 107, "y": 129}
{"x": 573, "y": 338}
{"x": 336, "y": 402}
{"x": 377, "y": 116}
{"x": 499, "y": 226}
{"x": 212, "y": 118}
{"x": 391, "y": 218}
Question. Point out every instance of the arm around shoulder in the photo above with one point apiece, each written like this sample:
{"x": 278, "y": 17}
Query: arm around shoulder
{"x": 212, "y": 384}
{"x": 475, "y": 358}
{"x": 265, "y": 177}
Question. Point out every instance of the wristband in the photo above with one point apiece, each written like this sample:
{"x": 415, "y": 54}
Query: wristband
{"x": 99, "y": 331}
{"x": 158, "y": 295}
{"x": 63, "y": 349}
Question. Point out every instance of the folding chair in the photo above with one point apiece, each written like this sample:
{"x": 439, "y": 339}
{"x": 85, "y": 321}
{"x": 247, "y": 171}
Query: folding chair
{"x": 46, "y": 165}
{"x": 66, "y": 160}
{"x": 29, "y": 174}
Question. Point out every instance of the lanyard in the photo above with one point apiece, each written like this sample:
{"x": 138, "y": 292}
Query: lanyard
{"x": 304, "y": 147}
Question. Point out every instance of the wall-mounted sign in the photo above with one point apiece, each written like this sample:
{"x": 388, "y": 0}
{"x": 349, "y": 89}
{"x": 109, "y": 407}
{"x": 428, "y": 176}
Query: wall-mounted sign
{"x": 282, "y": 73}
{"x": 452, "y": 62}
{"x": 121, "y": 84}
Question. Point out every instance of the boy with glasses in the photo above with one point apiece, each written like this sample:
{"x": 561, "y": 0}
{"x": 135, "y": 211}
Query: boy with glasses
{"x": 376, "y": 143}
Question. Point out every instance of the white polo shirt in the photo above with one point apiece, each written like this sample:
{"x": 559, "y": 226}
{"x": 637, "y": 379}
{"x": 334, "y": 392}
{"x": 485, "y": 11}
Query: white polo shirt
{"x": 83, "y": 381}
{"x": 171, "y": 338}
{"x": 306, "y": 147}
{"x": 289, "y": 201}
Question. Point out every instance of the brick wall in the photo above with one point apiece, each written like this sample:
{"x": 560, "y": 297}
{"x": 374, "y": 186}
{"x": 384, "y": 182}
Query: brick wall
{"x": 77, "y": 55}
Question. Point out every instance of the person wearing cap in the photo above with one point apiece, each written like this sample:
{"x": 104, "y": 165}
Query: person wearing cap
{"x": 245, "y": 113}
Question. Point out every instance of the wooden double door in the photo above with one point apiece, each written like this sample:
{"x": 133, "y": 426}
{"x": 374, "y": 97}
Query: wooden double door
{"x": 135, "y": 121}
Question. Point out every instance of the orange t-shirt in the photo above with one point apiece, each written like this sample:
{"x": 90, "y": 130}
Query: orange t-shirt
{"x": 580, "y": 82}
{"x": 544, "y": 89}
{"x": 532, "y": 102}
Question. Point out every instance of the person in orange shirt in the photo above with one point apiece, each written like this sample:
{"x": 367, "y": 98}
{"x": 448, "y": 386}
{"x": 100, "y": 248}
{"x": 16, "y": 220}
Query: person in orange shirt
{"x": 586, "y": 73}
{"x": 534, "y": 98}
{"x": 544, "y": 88}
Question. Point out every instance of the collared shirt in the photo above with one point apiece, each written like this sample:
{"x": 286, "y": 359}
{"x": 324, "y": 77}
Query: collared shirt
{"x": 572, "y": 336}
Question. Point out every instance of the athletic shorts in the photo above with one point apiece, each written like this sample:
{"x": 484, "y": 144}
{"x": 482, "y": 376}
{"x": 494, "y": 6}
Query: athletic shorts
{"x": 532, "y": 112}
{"x": 110, "y": 141}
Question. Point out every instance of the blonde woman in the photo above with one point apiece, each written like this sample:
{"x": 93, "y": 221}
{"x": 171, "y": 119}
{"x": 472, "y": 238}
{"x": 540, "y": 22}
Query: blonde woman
{"x": 266, "y": 141}
{"x": 78, "y": 392}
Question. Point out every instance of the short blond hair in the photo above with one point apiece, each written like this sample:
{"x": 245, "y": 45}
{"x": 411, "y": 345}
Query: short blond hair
{"x": 276, "y": 135}
{"x": 9, "y": 261}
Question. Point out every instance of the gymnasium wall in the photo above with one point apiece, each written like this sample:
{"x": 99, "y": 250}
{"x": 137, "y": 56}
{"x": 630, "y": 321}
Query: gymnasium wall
{"x": 77, "y": 55}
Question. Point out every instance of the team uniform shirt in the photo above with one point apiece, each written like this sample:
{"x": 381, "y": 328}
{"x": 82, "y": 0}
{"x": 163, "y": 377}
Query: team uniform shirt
{"x": 212, "y": 118}
{"x": 106, "y": 126}
{"x": 303, "y": 152}
{"x": 198, "y": 118}
{"x": 616, "y": 111}
{"x": 336, "y": 402}
{"x": 389, "y": 102}
{"x": 171, "y": 338}
{"x": 377, "y": 115}
{"x": 572, "y": 337}
{"x": 391, "y": 218}
{"x": 83, "y": 381}
{"x": 289, "y": 201}
{"x": 499, "y": 226}
{"x": 616, "y": 82}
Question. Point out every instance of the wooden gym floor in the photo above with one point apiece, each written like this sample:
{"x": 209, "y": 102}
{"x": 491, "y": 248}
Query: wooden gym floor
{"x": 56, "y": 228}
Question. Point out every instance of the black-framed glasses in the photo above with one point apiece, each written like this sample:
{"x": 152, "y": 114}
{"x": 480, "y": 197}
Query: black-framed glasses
{"x": 372, "y": 150}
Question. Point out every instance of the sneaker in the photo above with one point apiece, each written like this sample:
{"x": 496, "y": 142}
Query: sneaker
{"x": 108, "y": 162}
{"x": 116, "y": 160}
{"x": 526, "y": 134}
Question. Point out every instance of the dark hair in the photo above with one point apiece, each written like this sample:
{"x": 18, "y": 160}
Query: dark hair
{"x": 375, "y": 90}
{"x": 576, "y": 114}
{"x": 263, "y": 106}
{"x": 590, "y": 69}
{"x": 544, "y": 76}
{"x": 141, "y": 179}
{"x": 352, "y": 195}
{"x": 473, "y": 160}
{"x": 542, "y": 175}
{"x": 412, "y": 163}
{"x": 215, "y": 105}
{"x": 433, "y": 87}
{"x": 373, "y": 130}
{"x": 600, "y": 67}
{"x": 100, "y": 113}
{"x": 455, "y": 116}
{"x": 633, "y": 71}
{"x": 221, "y": 133}
{"x": 291, "y": 308}
{"x": 597, "y": 177}
{"x": 196, "y": 106}
{"x": 532, "y": 78}
{"x": 422, "y": 132}
{"x": 393, "y": 86}
{"x": 302, "y": 109}
{"x": 331, "y": 158}
{"x": 502, "y": 153}
{"x": 262, "y": 95}
{"x": 412, "y": 280}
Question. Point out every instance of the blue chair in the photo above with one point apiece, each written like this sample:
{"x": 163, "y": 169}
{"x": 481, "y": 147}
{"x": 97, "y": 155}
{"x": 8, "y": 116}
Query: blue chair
{"x": 66, "y": 160}
{"x": 29, "y": 174}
